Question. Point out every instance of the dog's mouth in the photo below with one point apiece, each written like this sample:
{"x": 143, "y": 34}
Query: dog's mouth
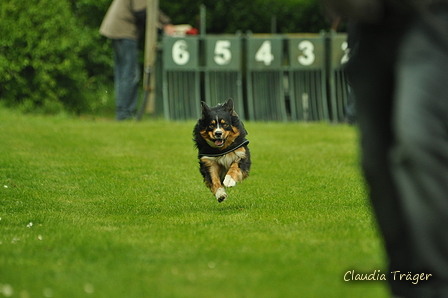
{"x": 218, "y": 142}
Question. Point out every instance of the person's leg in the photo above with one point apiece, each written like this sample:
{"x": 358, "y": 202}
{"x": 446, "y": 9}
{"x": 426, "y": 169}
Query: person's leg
{"x": 371, "y": 75}
{"x": 420, "y": 157}
{"x": 127, "y": 77}
{"x": 117, "y": 67}
{"x": 350, "y": 108}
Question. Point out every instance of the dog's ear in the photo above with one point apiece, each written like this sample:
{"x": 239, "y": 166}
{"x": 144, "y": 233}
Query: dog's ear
{"x": 205, "y": 109}
{"x": 228, "y": 106}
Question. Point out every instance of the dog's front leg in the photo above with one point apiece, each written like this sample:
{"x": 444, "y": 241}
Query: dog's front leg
{"x": 212, "y": 179}
{"x": 233, "y": 175}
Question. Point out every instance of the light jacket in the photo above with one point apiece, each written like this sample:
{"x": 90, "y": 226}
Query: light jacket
{"x": 120, "y": 21}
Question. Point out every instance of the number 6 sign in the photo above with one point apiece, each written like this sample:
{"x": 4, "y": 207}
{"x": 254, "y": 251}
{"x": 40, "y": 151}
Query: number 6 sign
{"x": 180, "y": 53}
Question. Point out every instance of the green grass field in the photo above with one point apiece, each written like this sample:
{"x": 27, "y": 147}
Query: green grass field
{"x": 96, "y": 208}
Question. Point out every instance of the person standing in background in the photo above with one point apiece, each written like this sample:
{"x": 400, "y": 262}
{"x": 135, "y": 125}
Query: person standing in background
{"x": 123, "y": 24}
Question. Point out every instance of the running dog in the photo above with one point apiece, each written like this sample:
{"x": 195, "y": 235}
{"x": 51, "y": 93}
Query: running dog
{"x": 224, "y": 158}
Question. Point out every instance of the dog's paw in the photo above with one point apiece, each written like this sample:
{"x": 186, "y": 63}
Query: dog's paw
{"x": 229, "y": 182}
{"x": 221, "y": 194}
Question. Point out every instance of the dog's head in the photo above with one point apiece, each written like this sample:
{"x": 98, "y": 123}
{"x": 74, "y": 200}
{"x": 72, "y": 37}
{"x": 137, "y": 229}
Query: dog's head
{"x": 220, "y": 125}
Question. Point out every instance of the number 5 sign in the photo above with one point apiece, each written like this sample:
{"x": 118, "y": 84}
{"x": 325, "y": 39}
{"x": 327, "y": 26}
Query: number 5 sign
{"x": 180, "y": 53}
{"x": 223, "y": 52}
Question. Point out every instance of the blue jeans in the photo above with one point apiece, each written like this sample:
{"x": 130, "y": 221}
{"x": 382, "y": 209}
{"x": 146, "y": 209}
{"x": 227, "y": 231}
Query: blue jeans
{"x": 127, "y": 77}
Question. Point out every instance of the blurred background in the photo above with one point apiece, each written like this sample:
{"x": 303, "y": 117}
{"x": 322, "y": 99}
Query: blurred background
{"x": 53, "y": 60}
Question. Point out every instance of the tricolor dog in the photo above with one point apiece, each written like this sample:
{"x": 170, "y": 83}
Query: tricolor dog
{"x": 224, "y": 157}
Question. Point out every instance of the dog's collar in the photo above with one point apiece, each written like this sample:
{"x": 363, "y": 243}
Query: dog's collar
{"x": 215, "y": 152}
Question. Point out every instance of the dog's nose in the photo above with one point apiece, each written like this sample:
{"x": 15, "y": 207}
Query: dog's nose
{"x": 218, "y": 133}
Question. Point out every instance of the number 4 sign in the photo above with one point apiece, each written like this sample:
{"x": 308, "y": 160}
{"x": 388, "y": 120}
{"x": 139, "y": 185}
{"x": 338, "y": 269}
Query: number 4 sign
{"x": 265, "y": 52}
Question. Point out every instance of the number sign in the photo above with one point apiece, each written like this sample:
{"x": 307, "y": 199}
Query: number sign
{"x": 180, "y": 53}
{"x": 265, "y": 53}
{"x": 223, "y": 52}
{"x": 306, "y": 52}
{"x": 340, "y": 50}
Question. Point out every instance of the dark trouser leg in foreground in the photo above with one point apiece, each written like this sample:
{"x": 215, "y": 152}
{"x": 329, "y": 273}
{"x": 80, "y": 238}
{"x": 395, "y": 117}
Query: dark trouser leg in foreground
{"x": 420, "y": 156}
{"x": 401, "y": 88}
{"x": 371, "y": 73}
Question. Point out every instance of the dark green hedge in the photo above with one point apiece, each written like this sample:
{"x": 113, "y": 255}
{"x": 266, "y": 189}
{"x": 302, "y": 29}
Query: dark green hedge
{"x": 229, "y": 16}
{"x": 52, "y": 57}
{"x": 40, "y": 65}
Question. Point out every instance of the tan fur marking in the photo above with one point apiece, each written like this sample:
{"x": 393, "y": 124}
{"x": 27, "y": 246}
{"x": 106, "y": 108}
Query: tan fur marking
{"x": 204, "y": 134}
{"x": 214, "y": 169}
{"x": 207, "y": 136}
{"x": 235, "y": 172}
{"x": 231, "y": 136}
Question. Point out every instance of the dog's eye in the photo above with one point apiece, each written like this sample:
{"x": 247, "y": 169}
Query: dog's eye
{"x": 225, "y": 125}
{"x": 211, "y": 126}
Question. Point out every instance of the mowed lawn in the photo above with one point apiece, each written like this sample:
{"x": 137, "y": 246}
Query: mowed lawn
{"x": 96, "y": 208}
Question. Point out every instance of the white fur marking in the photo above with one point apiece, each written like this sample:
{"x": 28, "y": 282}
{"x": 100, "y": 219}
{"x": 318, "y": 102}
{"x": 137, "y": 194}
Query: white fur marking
{"x": 218, "y": 127}
{"x": 221, "y": 194}
{"x": 229, "y": 182}
{"x": 218, "y": 130}
{"x": 227, "y": 159}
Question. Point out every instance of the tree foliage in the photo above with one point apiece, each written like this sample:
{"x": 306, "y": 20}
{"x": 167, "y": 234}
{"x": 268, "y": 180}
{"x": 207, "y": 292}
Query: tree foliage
{"x": 39, "y": 56}
{"x": 52, "y": 56}
{"x": 227, "y": 16}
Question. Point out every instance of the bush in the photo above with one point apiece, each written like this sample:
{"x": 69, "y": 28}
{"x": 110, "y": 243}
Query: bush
{"x": 40, "y": 65}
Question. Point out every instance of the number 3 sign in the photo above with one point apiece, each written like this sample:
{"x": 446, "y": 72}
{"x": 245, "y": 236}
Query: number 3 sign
{"x": 306, "y": 51}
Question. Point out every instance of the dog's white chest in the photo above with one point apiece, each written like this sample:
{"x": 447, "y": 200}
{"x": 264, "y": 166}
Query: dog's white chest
{"x": 226, "y": 160}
